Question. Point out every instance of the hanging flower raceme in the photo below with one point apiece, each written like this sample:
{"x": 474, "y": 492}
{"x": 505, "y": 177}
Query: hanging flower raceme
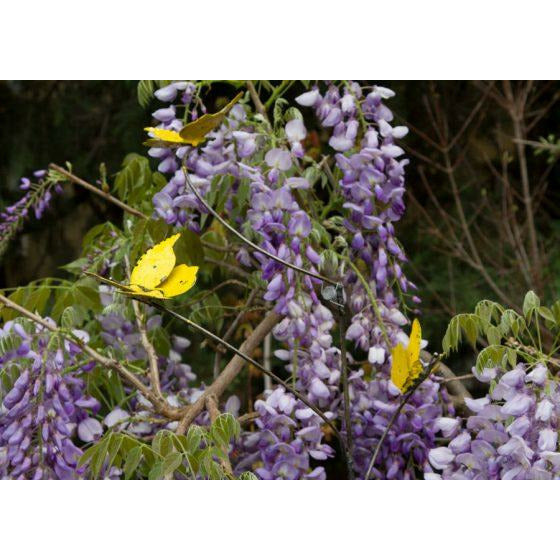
{"x": 283, "y": 229}
{"x": 46, "y": 406}
{"x": 176, "y": 377}
{"x": 175, "y": 203}
{"x": 512, "y": 433}
{"x": 373, "y": 187}
{"x": 37, "y": 197}
{"x": 289, "y": 435}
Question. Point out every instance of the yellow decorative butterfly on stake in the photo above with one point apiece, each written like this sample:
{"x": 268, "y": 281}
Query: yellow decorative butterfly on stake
{"x": 155, "y": 274}
{"x": 406, "y": 366}
{"x": 192, "y": 133}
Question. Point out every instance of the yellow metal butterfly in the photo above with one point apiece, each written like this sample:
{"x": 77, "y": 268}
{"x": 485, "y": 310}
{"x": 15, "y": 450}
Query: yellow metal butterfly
{"x": 192, "y": 133}
{"x": 155, "y": 274}
{"x": 406, "y": 366}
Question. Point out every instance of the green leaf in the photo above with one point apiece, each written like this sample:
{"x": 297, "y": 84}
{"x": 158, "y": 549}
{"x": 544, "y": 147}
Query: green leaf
{"x": 546, "y": 314}
{"x": 100, "y": 456}
{"x": 87, "y": 456}
{"x": 278, "y": 112}
{"x": 494, "y": 335}
{"x": 496, "y": 356}
{"x": 86, "y": 292}
{"x": 224, "y": 428}
{"x": 293, "y": 113}
{"x": 145, "y": 92}
{"x": 194, "y": 437}
{"x": 16, "y": 297}
{"x": 209, "y": 312}
{"x": 171, "y": 463}
{"x": 247, "y": 476}
{"x": 132, "y": 461}
{"x": 156, "y": 442}
{"x": 69, "y": 318}
{"x": 134, "y": 179}
{"x": 160, "y": 339}
{"x": 37, "y": 300}
{"x": 469, "y": 326}
{"x": 156, "y": 472}
{"x": 530, "y": 304}
{"x": 488, "y": 311}
{"x": 114, "y": 448}
{"x": 77, "y": 266}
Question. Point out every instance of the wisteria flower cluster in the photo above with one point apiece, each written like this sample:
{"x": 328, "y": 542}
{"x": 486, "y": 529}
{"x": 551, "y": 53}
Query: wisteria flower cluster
{"x": 283, "y": 229}
{"x": 122, "y": 335}
{"x": 175, "y": 203}
{"x": 47, "y": 407}
{"x": 512, "y": 433}
{"x": 37, "y": 197}
{"x": 372, "y": 185}
{"x": 289, "y": 436}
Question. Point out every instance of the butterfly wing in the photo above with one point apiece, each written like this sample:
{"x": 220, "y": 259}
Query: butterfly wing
{"x": 154, "y": 266}
{"x": 181, "y": 280}
{"x": 195, "y": 132}
{"x": 399, "y": 366}
{"x": 155, "y": 293}
{"x": 163, "y": 138}
{"x": 413, "y": 350}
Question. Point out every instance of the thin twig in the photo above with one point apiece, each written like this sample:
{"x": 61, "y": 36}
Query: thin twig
{"x": 228, "y": 266}
{"x": 161, "y": 406}
{"x": 75, "y": 179}
{"x": 384, "y": 435}
{"x": 256, "y": 99}
{"x": 150, "y": 350}
{"x": 406, "y": 398}
{"x": 454, "y": 386}
{"x": 145, "y": 341}
{"x": 249, "y": 417}
{"x": 232, "y": 327}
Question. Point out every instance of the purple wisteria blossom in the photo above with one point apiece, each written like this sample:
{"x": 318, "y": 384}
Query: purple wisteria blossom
{"x": 36, "y": 198}
{"x": 176, "y": 377}
{"x": 512, "y": 433}
{"x": 46, "y": 408}
{"x": 289, "y": 437}
{"x": 175, "y": 203}
{"x": 372, "y": 185}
